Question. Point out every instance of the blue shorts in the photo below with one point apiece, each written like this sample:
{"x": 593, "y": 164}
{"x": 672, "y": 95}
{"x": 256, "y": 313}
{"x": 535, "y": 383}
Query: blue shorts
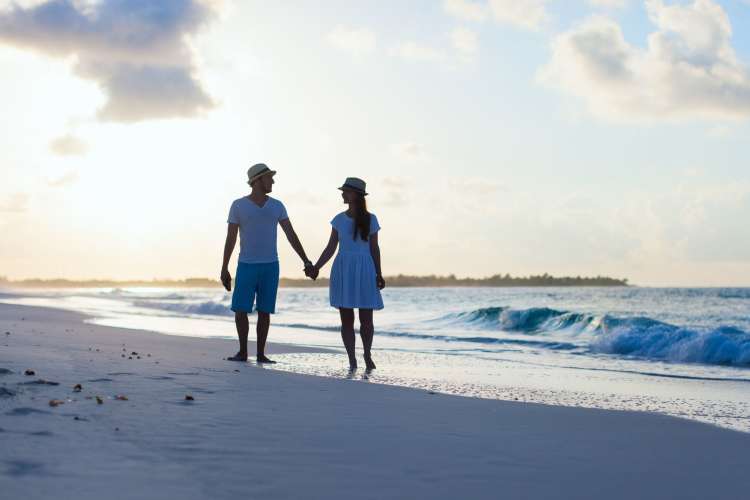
{"x": 255, "y": 279}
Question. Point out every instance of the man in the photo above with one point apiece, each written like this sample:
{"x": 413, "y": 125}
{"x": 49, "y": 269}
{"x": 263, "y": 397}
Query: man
{"x": 255, "y": 217}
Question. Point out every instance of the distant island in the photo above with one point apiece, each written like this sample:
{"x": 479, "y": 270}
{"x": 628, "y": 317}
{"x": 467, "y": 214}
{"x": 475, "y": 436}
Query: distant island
{"x": 400, "y": 280}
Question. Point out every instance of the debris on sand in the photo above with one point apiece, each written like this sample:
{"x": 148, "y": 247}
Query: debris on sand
{"x": 188, "y": 397}
{"x": 56, "y": 402}
{"x": 99, "y": 400}
{"x": 120, "y": 397}
{"x": 77, "y": 388}
{"x": 29, "y": 373}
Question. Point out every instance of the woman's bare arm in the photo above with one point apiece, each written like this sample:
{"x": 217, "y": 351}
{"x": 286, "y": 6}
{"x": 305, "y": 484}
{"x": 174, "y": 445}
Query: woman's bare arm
{"x": 375, "y": 252}
{"x": 329, "y": 250}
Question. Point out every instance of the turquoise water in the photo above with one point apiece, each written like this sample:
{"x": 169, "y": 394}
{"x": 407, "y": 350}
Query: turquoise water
{"x": 683, "y": 352}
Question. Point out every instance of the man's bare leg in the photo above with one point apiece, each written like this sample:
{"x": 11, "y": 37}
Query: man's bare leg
{"x": 243, "y": 326}
{"x": 367, "y": 331}
{"x": 261, "y": 331}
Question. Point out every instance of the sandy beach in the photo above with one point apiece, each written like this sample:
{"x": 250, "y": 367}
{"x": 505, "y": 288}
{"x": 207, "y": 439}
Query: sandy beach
{"x": 263, "y": 433}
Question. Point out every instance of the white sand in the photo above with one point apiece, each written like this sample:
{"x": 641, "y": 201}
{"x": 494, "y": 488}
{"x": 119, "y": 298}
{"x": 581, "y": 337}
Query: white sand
{"x": 261, "y": 433}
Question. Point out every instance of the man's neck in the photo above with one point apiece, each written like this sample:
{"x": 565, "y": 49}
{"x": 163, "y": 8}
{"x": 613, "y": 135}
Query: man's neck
{"x": 258, "y": 195}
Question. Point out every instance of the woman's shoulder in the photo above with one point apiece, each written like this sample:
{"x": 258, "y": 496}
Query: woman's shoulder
{"x": 338, "y": 218}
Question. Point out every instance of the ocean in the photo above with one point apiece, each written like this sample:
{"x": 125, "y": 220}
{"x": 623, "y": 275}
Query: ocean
{"x": 679, "y": 351}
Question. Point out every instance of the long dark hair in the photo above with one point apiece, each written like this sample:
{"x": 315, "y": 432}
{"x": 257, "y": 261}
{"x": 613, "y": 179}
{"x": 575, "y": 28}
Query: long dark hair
{"x": 361, "y": 217}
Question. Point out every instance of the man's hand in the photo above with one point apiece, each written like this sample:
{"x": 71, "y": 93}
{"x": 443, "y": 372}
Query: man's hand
{"x": 226, "y": 279}
{"x": 380, "y": 281}
{"x": 311, "y": 272}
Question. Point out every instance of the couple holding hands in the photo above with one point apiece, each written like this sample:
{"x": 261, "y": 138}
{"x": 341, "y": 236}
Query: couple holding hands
{"x": 356, "y": 278}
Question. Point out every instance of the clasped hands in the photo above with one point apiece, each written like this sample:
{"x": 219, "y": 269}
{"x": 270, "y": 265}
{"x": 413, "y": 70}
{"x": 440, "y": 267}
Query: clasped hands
{"x": 311, "y": 271}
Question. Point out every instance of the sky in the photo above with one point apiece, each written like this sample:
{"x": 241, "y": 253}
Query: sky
{"x": 576, "y": 137}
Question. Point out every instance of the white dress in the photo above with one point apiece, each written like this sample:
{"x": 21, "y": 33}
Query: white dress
{"x": 353, "y": 284}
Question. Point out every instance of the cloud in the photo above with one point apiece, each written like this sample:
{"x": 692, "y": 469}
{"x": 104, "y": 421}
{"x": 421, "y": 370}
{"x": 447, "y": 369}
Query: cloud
{"x": 68, "y": 145}
{"x": 410, "y": 151}
{"x": 466, "y": 9}
{"x": 64, "y": 180}
{"x": 614, "y": 4}
{"x": 357, "y": 41}
{"x": 526, "y": 14}
{"x": 15, "y": 203}
{"x": 465, "y": 42}
{"x": 413, "y": 51}
{"x": 135, "y": 50}
{"x": 688, "y": 69}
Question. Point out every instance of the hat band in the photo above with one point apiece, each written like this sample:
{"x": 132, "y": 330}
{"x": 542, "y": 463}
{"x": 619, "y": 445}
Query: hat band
{"x": 261, "y": 172}
{"x": 355, "y": 188}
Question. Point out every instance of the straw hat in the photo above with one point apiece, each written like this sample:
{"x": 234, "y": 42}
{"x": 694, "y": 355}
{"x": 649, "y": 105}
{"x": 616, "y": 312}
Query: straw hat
{"x": 354, "y": 184}
{"x": 258, "y": 170}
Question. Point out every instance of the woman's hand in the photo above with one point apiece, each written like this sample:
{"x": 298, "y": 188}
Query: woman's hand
{"x": 380, "y": 281}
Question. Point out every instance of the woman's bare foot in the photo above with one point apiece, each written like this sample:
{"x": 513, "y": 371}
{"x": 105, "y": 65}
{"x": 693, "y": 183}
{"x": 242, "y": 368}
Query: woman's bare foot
{"x": 238, "y": 357}
{"x": 369, "y": 363}
{"x": 263, "y": 359}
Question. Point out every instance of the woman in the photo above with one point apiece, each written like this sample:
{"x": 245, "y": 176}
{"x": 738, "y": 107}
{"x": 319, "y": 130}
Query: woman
{"x": 356, "y": 278}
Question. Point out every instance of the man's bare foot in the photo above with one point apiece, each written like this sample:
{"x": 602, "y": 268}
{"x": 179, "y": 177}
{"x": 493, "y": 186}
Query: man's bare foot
{"x": 238, "y": 357}
{"x": 263, "y": 359}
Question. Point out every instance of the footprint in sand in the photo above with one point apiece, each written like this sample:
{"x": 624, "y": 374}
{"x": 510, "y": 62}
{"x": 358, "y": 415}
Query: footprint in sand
{"x": 6, "y": 393}
{"x": 23, "y": 468}
{"x": 200, "y": 391}
{"x": 39, "y": 382}
{"x": 41, "y": 433}
{"x": 24, "y": 411}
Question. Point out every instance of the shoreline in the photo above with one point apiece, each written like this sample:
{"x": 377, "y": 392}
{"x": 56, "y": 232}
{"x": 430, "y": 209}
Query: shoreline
{"x": 288, "y": 435}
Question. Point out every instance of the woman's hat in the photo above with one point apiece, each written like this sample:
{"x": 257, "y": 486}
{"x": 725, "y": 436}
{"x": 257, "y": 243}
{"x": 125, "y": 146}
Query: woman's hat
{"x": 354, "y": 184}
{"x": 258, "y": 170}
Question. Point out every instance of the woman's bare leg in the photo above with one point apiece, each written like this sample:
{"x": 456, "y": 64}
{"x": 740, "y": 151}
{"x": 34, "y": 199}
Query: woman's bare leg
{"x": 347, "y": 334}
{"x": 367, "y": 332}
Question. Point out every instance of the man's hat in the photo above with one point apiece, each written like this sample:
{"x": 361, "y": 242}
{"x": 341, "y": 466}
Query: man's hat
{"x": 354, "y": 184}
{"x": 258, "y": 170}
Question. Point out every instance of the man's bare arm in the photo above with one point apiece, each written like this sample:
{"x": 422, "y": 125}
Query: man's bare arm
{"x": 286, "y": 225}
{"x": 226, "y": 278}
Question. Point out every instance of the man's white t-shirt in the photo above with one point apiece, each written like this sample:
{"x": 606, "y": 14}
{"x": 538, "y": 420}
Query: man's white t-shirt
{"x": 257, "y": 228}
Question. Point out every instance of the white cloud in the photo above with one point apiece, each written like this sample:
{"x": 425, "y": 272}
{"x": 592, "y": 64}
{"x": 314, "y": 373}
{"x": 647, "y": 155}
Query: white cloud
{"x": 688, "y": 70}
{"x": 64, "y": 180}
{"x": 414, "y": 51}
{"x": 465, "y": 41}
{"x": 357, "y": 41}
{"x": 15, "y": 203}
{"x": 526, "y": 14}
{"x": 68, "y": 145}
{"x": 614, "y": 4}
{"x": 466, "y": 9}
{"x": 136, "y": 50}
{"x": 409, "y": 150}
